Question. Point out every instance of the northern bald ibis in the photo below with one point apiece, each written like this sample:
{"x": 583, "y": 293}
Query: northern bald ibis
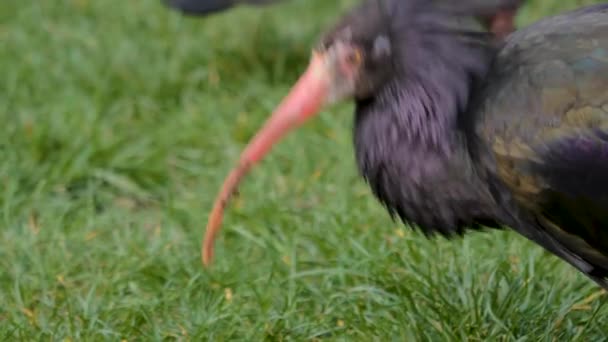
{"x": 456, "y": 132}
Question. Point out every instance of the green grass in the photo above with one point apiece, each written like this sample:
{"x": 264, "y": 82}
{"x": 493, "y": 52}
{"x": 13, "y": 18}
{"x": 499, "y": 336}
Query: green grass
{"x": 120, "y": 120}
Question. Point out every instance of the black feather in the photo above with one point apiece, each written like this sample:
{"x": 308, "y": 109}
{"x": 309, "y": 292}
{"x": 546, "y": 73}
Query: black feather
{"x": 463, "y": 135}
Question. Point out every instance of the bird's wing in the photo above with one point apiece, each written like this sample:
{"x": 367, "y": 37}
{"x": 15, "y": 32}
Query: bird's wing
{"x": 544, "y": 114}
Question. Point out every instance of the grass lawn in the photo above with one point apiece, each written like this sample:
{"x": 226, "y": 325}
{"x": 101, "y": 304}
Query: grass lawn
{"x": 120, "y": 120}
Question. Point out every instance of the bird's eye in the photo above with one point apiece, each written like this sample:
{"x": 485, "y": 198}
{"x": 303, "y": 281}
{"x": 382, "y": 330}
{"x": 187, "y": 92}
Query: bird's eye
{"x": 355, "y": 57}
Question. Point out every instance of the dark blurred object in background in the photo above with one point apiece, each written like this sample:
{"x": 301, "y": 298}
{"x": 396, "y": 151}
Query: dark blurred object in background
{"x": 206, "y": 7}
{"x": 500, "y": 17}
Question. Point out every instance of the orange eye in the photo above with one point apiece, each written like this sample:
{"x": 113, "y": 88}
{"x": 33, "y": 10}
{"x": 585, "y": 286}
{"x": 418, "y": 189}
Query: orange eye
{"x": 355, "y": 58}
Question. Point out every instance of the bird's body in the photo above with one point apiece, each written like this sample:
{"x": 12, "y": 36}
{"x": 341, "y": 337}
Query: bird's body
{"x": 453, "y": 132}
{"x": 545, "y": 120}
{"x": 529, "y": 151}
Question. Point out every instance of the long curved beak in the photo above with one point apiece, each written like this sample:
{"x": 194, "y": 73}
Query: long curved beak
{"x": 305, "y": 99}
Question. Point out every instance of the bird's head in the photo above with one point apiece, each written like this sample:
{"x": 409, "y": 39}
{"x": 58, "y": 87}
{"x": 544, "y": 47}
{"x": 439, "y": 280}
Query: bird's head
{"x": 356, "y": 55}
{"x": 361, "y": 53}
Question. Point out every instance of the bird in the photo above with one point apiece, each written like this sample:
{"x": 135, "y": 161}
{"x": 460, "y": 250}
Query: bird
{"x": 455, "y": 132}
{"x": 496, "y": 15}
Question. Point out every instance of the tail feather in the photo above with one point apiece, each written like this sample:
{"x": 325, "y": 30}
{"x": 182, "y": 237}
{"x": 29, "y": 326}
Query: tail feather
{"x": 580, "y": 257}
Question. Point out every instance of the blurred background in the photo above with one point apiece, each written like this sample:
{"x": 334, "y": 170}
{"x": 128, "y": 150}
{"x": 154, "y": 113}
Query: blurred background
{"x": 120, "y": 120}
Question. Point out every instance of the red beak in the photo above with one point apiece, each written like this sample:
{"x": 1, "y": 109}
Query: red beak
{"x": 304, "y": 100}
